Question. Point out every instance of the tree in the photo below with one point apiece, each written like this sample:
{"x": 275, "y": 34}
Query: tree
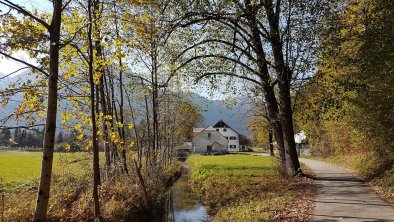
{"x": 151, "y": 60}
{"x": 345, "y": 108}
{"x": 93, "y": 8}
{"x": 17, "y": 138}
{"x": 5, "y": 136}
{"x": 262, "y": 132}
{"x": 60, "y": 138}
{"x": 50, "y": 125}
{"x": 49, "y": 140}
{"x": 261, "y": 42}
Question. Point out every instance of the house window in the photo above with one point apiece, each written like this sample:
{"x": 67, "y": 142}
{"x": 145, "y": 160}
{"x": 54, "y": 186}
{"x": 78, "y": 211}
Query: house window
{"x": 233, "y": 146}
{"x": 209, "y": 135}
{"x": 226, "y": 137}
{"x": 217, "y": 130}
{"x": 209, "y": 148}
{"x": 224, "y": 130}
{"x": 233, "y": 138}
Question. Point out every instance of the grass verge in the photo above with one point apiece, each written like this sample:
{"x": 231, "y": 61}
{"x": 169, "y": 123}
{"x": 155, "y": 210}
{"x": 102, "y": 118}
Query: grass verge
{"x": 249, "y": 188}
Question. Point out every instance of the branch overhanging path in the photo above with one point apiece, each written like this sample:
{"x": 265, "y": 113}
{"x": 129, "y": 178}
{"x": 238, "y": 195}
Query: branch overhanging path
{"x": 343, "y": 197}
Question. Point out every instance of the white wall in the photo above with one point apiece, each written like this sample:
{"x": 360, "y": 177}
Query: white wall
{"x": 299, "y": 136}
{"x": 201, "y": 141}
{"x": 227, "y": 133}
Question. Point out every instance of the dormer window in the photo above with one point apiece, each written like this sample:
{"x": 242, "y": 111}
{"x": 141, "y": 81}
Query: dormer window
{"x": 224, "y": 130}
{"x": 217, "y": 130}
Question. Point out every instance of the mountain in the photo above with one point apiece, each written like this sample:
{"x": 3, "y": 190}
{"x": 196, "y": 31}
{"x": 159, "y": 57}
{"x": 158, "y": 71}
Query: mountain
{"x": 235, "y": 115}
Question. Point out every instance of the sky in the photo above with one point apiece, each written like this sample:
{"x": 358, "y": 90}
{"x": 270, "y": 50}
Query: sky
{"x": 7, "y": 65}
{"x": 39, "y": 5}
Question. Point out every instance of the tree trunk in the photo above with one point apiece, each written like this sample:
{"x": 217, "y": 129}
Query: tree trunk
{"x": 273, "y": 115}
{"x": 155, "y": 107}
{"x": 50, "y": 124}
{"x": 121, "y": 104}
{"x": 96, "y": 166}
{"x": 149, "y": 133}
{"x": 101, "y": 93}
{"x": 268, "y": 90}
{"x": 105, "y": 127}
{"x": 137, "y": 136}
{"x": 121, "y": 115}
{"x": 287, "y": 125}
{"x": 271, "y": 145}
{"x": 284, "y": 77}
{"x": 111, "y": 111}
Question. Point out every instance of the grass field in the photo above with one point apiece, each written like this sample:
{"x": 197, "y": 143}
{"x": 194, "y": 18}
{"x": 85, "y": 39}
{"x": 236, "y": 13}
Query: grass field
{"x": 18, "y": 168}
{"x": 228, "y": 166}
{"x": 71, "y": 199}
{"x": 246, "y": 188}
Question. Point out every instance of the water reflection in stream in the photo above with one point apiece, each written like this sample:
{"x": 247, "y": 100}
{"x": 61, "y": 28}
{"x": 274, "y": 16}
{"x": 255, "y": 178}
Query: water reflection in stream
{"x": 184, "y": 201}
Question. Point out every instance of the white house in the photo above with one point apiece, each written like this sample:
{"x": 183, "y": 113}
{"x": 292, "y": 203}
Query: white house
{"x": 231, "y": 135}
{"x": 219, "y": 137}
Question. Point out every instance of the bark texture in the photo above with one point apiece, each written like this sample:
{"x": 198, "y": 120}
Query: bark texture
{"x": 284, "y": 77}
{"x": 50, "y": 122}
{"x": 96, "y": 166}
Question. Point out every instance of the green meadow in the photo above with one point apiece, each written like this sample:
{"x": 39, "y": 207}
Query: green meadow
{"x": 228, "y": 166}
{"x": 18, "y": 168}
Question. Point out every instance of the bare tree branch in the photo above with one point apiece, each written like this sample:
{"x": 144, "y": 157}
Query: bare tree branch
{"x": 227, "y": 74}
{"x": 25, "y": 12}
{"x": 233, "y": 45}
{"x": 25, "y": 63}
{"x": 3, "y": 77}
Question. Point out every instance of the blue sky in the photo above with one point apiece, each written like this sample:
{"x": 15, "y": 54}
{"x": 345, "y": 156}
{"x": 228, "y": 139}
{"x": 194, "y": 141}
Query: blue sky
{"x": 40, "y": 5}
{"x": 7, "y": 65}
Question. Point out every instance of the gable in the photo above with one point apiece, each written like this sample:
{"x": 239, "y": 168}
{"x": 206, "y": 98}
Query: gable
{"x": 221, "y": 124}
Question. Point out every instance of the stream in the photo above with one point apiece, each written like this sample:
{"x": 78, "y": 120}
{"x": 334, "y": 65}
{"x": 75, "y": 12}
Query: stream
{"x": 184, "y": 201}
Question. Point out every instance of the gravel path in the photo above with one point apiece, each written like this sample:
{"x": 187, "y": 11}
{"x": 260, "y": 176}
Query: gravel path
{"x": 342, "y": 197}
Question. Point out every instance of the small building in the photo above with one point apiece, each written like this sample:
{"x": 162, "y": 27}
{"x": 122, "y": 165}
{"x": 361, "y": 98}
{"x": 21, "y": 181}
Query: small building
{"x": 216, "y": 138}
{"x": 231, "y": 135}
{"x": 209, "y": 140}
{"x": 301, "y": 143}
{"x": 299, "y": 137}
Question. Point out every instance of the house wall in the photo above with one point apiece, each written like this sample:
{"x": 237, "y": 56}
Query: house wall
{"x": 201, "y": 141}
{"x": 227, "y": 133}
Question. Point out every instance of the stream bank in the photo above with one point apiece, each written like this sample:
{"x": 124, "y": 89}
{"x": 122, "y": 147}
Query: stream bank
{"x": 184, "y": 203}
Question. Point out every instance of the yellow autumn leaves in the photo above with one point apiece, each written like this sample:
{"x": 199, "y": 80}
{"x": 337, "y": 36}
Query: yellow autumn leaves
{"x": 80, "y": 124}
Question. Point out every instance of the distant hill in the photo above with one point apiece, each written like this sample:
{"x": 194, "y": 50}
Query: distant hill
{"x": 15, "y": 100}
{"x": 234, "y": 115}
{"x": 214, "y": 110}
